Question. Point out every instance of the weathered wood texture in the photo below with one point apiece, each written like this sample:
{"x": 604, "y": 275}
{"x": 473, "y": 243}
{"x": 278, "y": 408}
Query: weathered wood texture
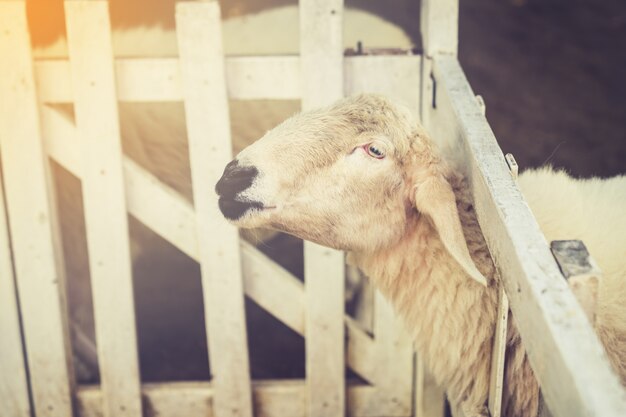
{"x": 565, "y": 353}
{"x": 321, "y": 60}
{"x": 208, "y": 128}
{"x": 95, "y": 108}
{"x": 31, "y": 210}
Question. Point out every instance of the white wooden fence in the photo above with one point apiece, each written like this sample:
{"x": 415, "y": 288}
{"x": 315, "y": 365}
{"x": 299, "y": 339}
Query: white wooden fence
{"x": 552, "y": 325}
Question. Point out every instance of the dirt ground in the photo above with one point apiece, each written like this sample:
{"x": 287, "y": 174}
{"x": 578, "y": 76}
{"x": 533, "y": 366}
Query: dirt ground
{"x": 552, "y": 73}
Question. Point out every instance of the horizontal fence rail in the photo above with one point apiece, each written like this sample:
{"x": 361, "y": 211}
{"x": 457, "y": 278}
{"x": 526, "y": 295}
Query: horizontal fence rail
{"x": 247, "y": 78}
{"x": 280, "y": 398}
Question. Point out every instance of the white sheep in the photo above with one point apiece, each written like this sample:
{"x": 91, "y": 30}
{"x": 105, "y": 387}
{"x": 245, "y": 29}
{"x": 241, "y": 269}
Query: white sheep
{"x": 363, "y": 176}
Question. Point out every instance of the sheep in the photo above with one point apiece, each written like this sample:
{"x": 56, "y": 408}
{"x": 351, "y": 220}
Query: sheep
{"x": 364, "y": 177}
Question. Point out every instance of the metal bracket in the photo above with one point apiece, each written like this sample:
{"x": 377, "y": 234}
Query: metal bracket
{"x": 581, "y": 272}
{"x": 512, "y": 163}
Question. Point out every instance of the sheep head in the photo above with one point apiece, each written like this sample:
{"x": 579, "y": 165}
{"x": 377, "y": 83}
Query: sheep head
{"x": 352, "y": 176}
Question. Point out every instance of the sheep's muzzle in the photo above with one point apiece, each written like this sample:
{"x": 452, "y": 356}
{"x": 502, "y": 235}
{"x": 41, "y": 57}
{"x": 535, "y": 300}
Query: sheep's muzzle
{"x": 235, "y": 180}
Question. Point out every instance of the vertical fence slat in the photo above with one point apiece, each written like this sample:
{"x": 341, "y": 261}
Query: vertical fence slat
{"x": 38, "y": 265}
{"x": 208, "y": 127}
{"x": 321, "y": 57}
{"x": 439, "y": 26}
{"x": 13, "y": 384}
{"x": 91, "y": 62}
{"x": 439, "y": 29}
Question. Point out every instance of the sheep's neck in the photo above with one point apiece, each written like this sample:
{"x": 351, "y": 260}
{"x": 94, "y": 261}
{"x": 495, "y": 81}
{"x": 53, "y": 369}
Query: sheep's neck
{"x": 450, "y": 317}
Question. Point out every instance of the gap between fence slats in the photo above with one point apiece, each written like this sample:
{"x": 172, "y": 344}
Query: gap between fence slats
{"x": 35, "y": 242}
{"x": 247, "y": 78}
{"x": 106, "y": 221}
{"x": 321, "y": 66}
{"x": 208, "y": 127}
{"x": 566, "y": 355}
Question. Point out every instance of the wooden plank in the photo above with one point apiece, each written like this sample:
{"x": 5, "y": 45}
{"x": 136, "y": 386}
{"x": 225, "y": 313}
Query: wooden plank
{"x": 273, "y": 288}
{"x": 496, "y": 378}
{"x": 321, "y": 66}
{"x": 208, "y": 126}
{"x": 498, "y": 351}
{"x": 321, "y": 52}
{"x": 247, "y": 78}
{"x": 555, "y": 332}
{"x": 439, "y": 26}
{"x": 430, "y": 399}
{"x": 158, "y": 79}
{"x": 36, "y": 249}
{"x": 13, "y": 383}
{"x": 272, "y": 398}
{"x": 93, "y": 84}
{"x": 257, "y": 77}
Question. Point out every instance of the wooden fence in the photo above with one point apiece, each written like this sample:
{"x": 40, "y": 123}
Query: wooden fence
{"x": 552, "y": 325}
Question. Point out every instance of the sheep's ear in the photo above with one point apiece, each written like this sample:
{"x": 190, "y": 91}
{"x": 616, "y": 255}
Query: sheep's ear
{"x": 434, "y": 198}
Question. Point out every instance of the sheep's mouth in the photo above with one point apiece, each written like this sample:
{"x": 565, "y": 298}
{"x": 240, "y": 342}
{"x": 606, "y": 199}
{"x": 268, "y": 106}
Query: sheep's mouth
{"x": 234, "y": 209}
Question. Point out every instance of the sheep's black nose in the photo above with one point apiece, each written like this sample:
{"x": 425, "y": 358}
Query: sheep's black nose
{"x": 235, "y": 179}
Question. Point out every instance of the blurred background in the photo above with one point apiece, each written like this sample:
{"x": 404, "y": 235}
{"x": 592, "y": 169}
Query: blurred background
{"x": 552, "y": 74}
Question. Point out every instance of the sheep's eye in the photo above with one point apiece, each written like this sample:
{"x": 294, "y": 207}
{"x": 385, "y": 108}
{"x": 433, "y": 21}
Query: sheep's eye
{"x": 375, "y": 151}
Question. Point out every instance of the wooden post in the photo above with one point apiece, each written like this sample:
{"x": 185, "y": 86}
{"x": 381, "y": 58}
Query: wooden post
{"x": 581, "y": 272}
{"x": 321, "y": 58}
{"x": 13, "y": 384}
{"x": 208, "y": 126}
{"x": 439, "y": 30}
{"x": 439, "y": 26}
{"x": 496, "y": 378}
{"x": 36, "y": 248}
{"x": 95, "y": 106}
